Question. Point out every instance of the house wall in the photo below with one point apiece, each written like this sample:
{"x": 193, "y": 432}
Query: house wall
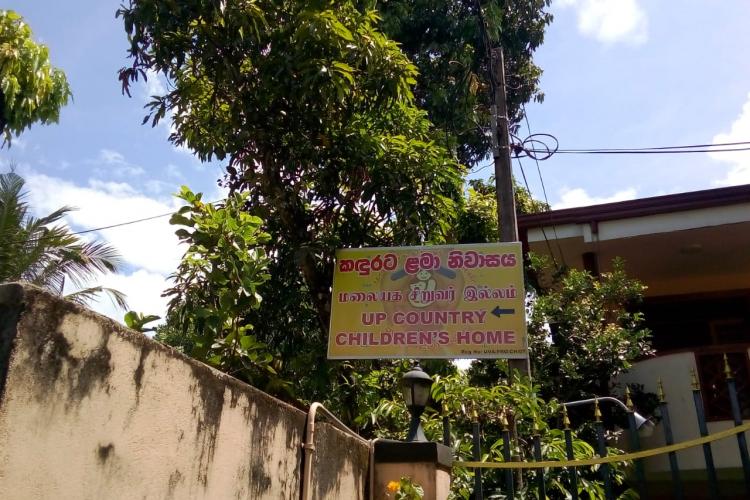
{"x": 91, "y": 410}
{"x": 674, "y": 371}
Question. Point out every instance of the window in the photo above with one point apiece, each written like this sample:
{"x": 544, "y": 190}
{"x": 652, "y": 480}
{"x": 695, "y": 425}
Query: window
{"x": 714, "y": 383}
{"x": 709, "y": 325}
{"x": 688, "y": 322}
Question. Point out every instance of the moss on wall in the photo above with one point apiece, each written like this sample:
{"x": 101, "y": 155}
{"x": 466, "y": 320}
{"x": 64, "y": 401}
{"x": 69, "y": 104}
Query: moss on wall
{"x": 100, "y": 411}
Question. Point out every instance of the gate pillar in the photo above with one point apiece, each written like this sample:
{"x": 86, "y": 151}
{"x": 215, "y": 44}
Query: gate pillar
{"x": 427, "y": 464}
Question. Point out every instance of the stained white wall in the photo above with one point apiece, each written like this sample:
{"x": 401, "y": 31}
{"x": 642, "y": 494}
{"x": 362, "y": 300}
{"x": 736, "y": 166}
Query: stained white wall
{"x": 674, "y": 371}
{"x": 91, "y": 410}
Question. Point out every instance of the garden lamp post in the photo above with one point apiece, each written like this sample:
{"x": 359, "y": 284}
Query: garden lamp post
{"x": 416, "y": 389}
{"x": 642, "y": 424}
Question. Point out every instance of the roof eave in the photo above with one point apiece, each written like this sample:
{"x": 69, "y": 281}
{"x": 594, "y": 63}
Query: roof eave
{"x": 638, "y": 208}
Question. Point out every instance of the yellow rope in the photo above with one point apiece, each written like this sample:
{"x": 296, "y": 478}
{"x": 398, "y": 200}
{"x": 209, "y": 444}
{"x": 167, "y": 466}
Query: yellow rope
{"x": 608, "y": 459}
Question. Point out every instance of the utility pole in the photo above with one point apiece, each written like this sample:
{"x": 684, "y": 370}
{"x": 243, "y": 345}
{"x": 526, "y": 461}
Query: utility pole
{"x": 506, "y": 200}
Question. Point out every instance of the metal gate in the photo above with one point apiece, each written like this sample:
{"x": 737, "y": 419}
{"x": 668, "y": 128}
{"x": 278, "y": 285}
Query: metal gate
{"x": 571, "y": 466}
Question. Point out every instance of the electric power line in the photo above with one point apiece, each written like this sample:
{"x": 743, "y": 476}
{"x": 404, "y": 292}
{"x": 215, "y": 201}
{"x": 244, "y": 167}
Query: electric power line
{"x": 691, "y": 146}
{"x": 536, "y": 144}
{"x": 110, "y": 226}
{"x": 640, "y": 151}
{"x": 544, "y": 192}
{"x": 544, "y": 233}
{"x": 521, "y": 151}
{"x": 126, "y": 223}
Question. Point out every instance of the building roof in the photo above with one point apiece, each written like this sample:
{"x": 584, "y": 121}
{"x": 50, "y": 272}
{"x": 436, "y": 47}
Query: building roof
{"x": 682, "y": 243}
{"x": 638, "y": 208}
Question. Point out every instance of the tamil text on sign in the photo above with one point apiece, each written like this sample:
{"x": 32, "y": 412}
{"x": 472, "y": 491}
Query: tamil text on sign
{"x": 460, "y": 301}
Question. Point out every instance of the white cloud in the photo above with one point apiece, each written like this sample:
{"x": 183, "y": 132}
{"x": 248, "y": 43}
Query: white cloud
{"x": 154, "y": 85}
{"x": 578, "y": 197}
{"x": 157, "y": 187}
{"x": 610, "y": 21}
{"x": 143, "y": 290}
{"x": 174, "y": 171}
{"x": 19, "y": 143}
{"x": 111, "y": 157}
{"x": 117, "y": 164}
{"x": 739, "y": 174}
{"x": 149, "y": 248}
{"x": 119, "y": 189}
{"x": 739, "y": 161}
{"x": 150, "y": 245}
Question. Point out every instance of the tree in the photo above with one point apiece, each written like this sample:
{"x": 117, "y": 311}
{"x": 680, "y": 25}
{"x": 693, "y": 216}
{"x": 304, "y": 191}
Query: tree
{"x": 45, "y": 253}
{"x": 446, "y": 41}
{"x": 584, "y": 331}
{"x": 497, "y": 407}
{"x": 217, "y": 282}
{"x": 477, "y": 222}
{"x": 31, "y": 90}
{"x": 312, "y": 107}
{"x": 171, "y": 333}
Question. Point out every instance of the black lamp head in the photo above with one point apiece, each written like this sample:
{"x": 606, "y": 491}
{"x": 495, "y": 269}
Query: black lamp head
{"x": 415, "y": 385}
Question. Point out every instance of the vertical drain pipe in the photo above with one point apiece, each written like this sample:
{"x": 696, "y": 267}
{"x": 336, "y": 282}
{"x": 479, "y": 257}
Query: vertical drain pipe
{"x": 371, "y": 467}
{"x": 309, "y": 447}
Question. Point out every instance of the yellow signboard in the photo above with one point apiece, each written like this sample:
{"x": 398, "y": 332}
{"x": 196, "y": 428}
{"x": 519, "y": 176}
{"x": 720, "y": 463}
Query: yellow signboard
{"x": 452, "y": 301}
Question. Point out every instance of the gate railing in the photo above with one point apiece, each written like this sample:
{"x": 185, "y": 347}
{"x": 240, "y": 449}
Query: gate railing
{"x": 603, "y": 460}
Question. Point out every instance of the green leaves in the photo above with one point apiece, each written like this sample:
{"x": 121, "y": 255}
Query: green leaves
{"x": 44, "y": 252}
{"x": 138, "y": 321}
{"x": 406, "y": 489}
{"x": 583, "y": 330}
{"x": 312, "y": 107}
{"x": 515, "y": 406}
{"x": 444, "y": 39}
{"x": 217, "y": 284}
{"x": 31, "y": 90}
{"x": 477, "y": 222}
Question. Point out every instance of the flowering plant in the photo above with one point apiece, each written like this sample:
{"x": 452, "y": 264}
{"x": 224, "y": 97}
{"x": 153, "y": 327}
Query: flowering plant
{"x": 405, "y": 489}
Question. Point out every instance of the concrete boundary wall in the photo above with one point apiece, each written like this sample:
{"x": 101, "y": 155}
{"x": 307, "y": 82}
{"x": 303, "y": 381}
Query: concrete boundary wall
{"x": 91, "y": 410}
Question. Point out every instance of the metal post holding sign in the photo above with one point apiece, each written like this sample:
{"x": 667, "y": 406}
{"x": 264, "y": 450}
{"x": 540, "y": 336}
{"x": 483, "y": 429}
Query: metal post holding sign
{"x": 442, "y": 301}
{"x": 476, "y": 453}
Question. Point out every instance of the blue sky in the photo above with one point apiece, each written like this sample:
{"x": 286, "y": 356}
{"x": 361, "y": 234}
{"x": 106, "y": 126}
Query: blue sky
{"x": 617, "y": 73}
{"x": 628, "y": 73}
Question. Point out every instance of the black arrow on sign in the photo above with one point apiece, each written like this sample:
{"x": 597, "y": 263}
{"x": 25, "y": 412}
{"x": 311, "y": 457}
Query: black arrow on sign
{"x": 497, "y": 311}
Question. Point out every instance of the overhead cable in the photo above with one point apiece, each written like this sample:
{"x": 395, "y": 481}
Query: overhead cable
{"x": 639, "y": 151}
{"x": 543, "y": 146}
{"x": 544, "y": 192}
{"x": 119, "y": 224}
